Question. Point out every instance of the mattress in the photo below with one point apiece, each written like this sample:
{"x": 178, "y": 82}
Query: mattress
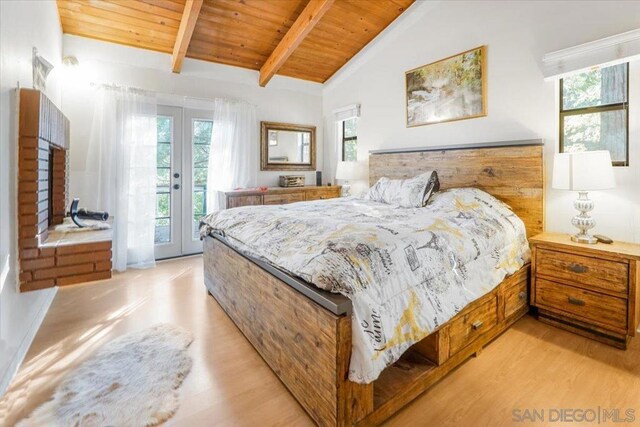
{"x": 406, "y": 270}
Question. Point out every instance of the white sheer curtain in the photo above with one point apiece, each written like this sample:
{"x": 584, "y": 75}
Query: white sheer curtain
{"x": 233, "y": 156}
{"x": 121, "y": 171}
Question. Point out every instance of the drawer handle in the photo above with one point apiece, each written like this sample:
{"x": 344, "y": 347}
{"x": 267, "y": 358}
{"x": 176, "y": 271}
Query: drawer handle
{"x": 578, "y": 268}
{"x": 522, "y": 295}
{"x": 477, "y": 325}
{"x": 575, "y": 301}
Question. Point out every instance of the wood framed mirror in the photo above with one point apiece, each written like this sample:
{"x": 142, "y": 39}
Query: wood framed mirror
{"x": 287, "y": 147}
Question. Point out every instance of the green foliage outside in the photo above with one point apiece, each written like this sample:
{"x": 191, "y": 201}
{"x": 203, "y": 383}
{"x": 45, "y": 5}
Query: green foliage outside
{"x": 581, "y": 90}
{"x": 351, "y": 151}
{"x": 164, "y": 154}
{"x": 595, "y": 130}
{"x": 164, "y": 129}
{"x": 350, "y": 146}
{"x": 202, "y": 130}
{"x": 351, "y": 127}
{"x": 163, "y": 177}
{"x": 163, "y": 202}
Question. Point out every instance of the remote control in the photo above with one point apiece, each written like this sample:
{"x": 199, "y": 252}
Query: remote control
{"x": 603, "y": 239}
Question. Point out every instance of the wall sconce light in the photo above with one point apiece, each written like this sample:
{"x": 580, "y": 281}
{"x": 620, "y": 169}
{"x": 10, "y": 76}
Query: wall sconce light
{"x": 70, "y": 61}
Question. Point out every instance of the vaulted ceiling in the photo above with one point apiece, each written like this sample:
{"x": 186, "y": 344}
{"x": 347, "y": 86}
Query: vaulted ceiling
{"x": 306, "y": 39}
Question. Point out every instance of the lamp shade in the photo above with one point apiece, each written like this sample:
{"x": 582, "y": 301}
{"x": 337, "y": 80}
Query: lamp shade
{"x": 351, "y": 171}
{"x": 583, "y": 171}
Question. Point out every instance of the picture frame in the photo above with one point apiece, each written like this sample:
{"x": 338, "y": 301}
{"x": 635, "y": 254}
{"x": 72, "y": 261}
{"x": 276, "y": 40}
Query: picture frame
{"x": 450, "y": 89}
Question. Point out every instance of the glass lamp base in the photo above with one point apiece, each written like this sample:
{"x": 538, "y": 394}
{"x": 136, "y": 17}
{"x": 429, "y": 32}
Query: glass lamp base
{"x": 346, "y": 189}
{"x": 583, "y": 222}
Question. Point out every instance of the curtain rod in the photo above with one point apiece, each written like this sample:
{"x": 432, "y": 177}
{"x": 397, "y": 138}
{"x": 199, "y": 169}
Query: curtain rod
{"x": 133, "y": 88}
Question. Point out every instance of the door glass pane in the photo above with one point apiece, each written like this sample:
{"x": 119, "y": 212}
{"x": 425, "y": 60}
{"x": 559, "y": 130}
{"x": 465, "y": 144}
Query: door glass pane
{"x": 201, "y": 131}
{"x": 163, "y": 181}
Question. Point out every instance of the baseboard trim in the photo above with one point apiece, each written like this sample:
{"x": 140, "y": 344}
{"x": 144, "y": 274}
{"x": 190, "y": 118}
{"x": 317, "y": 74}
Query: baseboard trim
{"x": 47, "y": 298}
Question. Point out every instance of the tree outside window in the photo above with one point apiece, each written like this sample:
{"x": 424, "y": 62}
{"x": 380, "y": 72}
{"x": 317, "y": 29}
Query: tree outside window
{"x": 163, "y": 180}
{"x": 350, "y": 140}
{"x": 594, "y": 112}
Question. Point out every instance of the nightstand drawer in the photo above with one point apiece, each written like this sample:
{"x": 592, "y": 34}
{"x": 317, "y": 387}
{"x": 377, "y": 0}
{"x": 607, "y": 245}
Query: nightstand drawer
{"x": 469, "y": 327}
{"x": 582, "y": 271}
{"x": 603, "y": 310}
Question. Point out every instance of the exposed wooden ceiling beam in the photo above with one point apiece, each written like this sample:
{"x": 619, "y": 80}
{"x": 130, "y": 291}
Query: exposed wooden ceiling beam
{"x": 309, "y": 17}
{"x": 185, "y": 31}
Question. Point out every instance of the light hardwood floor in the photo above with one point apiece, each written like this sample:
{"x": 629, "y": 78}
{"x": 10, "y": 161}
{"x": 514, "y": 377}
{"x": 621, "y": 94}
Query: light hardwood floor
{"x": 531, "y": 366}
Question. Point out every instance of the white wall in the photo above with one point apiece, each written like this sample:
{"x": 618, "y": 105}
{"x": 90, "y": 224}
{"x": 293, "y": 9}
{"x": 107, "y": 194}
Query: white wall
{"x": 521, "y": 104}
{"x": 23, "y": 24}
{"x": 283, "y": 100}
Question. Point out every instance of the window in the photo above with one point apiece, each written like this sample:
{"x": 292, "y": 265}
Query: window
{"x": 201, "y": 143}
{"x": 594, "y": 112}
{"x": 163, "y": 192}
{"x": 350, "y": 140}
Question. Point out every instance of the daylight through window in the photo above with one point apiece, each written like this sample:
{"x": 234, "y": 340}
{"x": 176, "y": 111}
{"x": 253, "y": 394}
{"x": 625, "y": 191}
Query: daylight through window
{"x": 350, "y": 140}
{"x": 594, "y": 112}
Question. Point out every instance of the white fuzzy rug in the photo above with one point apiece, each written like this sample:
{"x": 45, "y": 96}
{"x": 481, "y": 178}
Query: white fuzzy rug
{"x": 131, "y": 381}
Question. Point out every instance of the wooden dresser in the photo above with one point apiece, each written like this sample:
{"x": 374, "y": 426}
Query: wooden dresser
{"x": 590, "y": 290}
{"x": 279, "y": 195}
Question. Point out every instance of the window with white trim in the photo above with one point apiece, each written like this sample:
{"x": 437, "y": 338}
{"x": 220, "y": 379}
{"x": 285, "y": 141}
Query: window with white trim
{"x": 350, "y": 140}
{"x": 594, "y": 112}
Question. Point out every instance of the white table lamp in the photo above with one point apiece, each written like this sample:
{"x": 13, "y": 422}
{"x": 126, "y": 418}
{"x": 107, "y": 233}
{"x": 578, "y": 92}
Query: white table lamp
{"x": 583, "y": 172}
{"x": 350, "y": 171}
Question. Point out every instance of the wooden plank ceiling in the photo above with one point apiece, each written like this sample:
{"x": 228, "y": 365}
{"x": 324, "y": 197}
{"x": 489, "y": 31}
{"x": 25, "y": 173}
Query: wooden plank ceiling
{"x": 244, "y": 33}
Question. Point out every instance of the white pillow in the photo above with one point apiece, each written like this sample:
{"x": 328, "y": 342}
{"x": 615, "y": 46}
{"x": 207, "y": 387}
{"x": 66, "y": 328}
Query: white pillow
{"x": 407, "y": 193}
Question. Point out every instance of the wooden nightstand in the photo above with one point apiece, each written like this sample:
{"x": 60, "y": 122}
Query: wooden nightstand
{"x": 590, "y": 290}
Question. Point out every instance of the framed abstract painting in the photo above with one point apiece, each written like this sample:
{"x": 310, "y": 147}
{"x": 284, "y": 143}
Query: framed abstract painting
{"x": 454, "y": 88}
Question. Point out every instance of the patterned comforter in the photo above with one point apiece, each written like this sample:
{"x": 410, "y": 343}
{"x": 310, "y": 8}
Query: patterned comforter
{"x": 406, "y": 270}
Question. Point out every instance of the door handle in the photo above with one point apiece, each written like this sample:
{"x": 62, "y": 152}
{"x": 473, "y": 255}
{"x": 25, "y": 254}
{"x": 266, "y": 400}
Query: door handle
{"x": 176, "y": 175}
{"x": 176, "y": 186}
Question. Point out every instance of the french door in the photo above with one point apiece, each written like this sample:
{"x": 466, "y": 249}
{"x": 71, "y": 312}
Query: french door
{"x": 184, "y": 137}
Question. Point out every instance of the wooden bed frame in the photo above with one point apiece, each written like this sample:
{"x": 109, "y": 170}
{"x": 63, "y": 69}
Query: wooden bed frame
{"x": 304, "y": 334}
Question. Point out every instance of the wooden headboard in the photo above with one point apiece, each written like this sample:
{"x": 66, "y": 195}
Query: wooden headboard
{"x": 511, "y": 171}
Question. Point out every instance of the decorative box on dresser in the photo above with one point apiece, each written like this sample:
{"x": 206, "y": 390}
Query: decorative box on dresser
{"x": 591, "y": 290}
{"x": 279, "y": 195}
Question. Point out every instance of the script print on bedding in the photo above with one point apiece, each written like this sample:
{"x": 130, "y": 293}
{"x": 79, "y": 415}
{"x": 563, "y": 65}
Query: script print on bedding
{"x": 406, "y": 270}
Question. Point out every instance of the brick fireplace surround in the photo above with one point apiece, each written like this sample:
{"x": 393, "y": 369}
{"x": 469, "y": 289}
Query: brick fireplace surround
{"x": 47, "y": 257}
